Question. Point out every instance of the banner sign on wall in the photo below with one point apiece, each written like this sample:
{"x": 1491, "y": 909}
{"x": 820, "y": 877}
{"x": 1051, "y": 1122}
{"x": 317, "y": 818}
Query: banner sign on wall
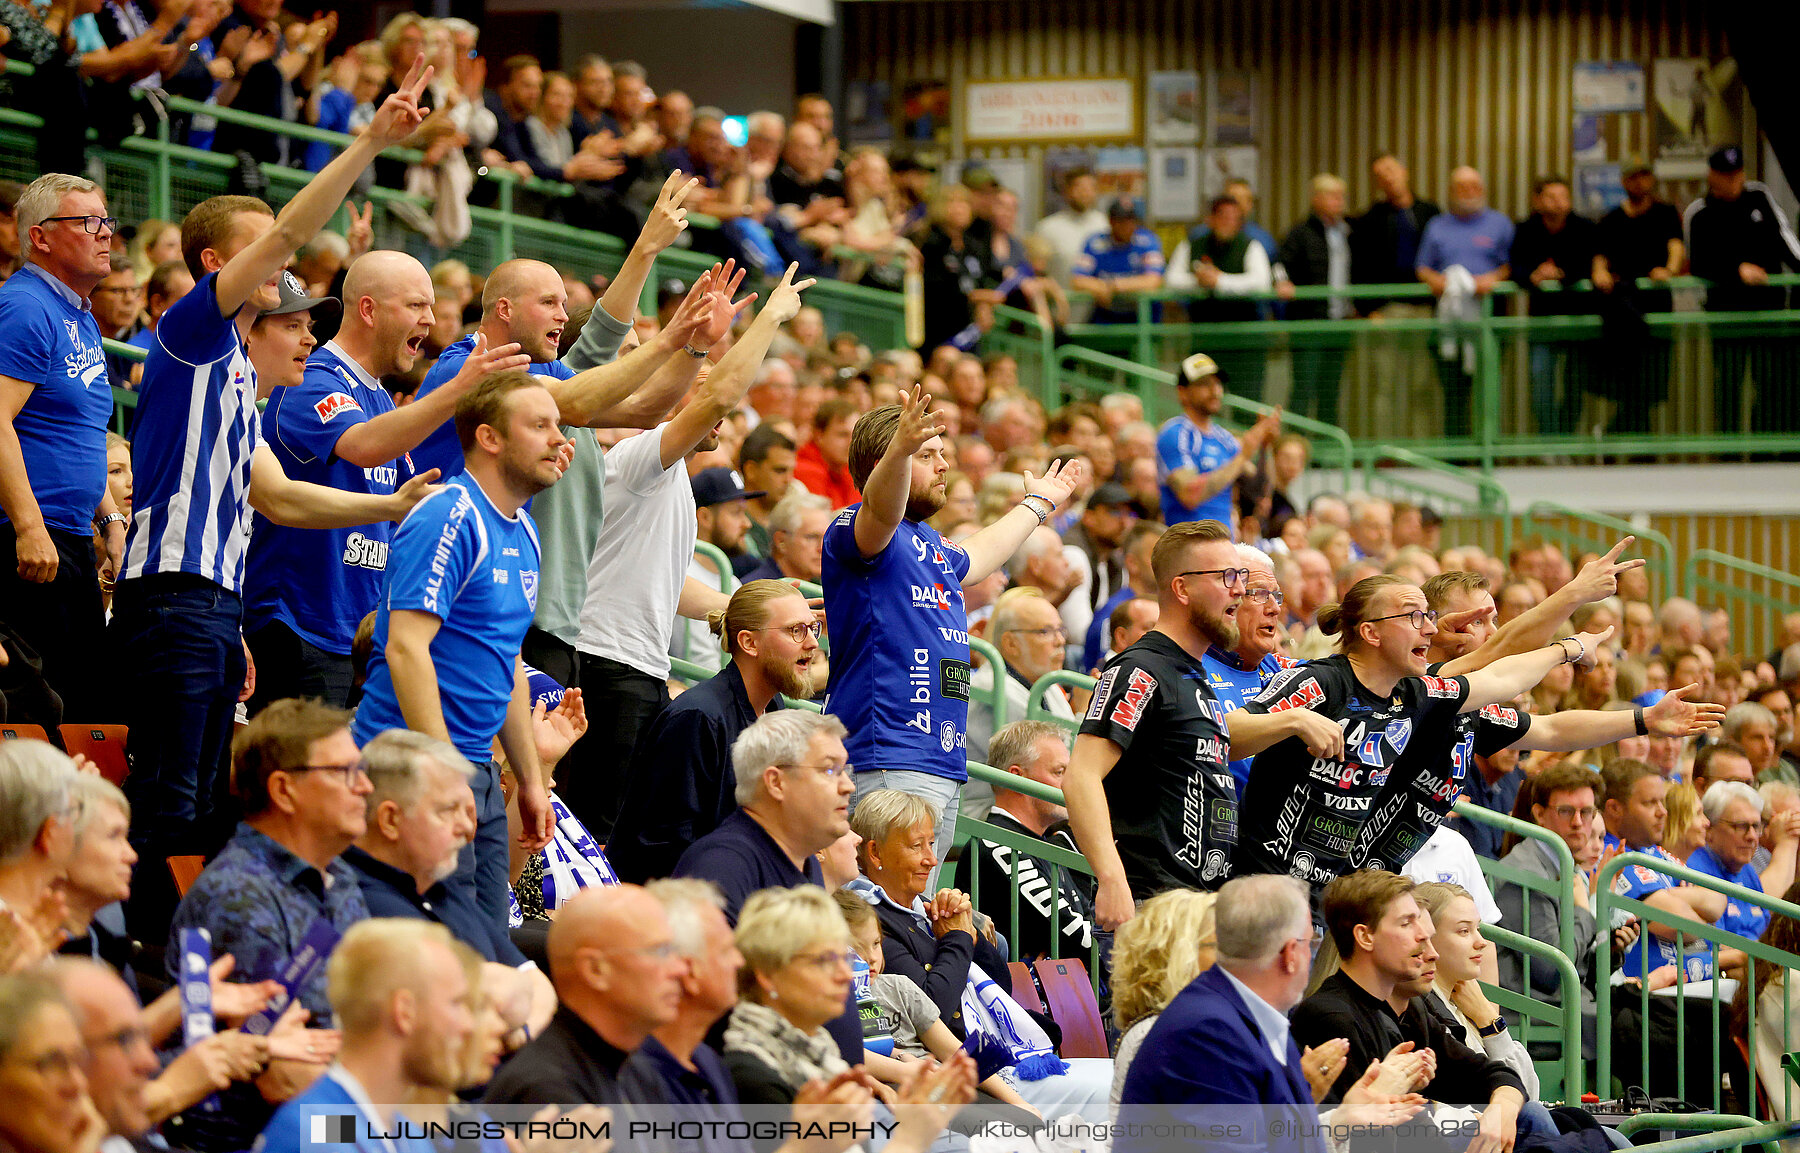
{"x": 1050, "y": 110}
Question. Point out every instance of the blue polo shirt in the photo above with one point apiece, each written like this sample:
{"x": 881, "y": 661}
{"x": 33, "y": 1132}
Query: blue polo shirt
{"x": 1743, "y": 919}
{"x": 1480, "y": 243}
{"x": 53, "y": 344}
{"x": 1184, "y": 444}
{"x": 457, "y": 558}
{"x": 442, "y": 450}
{"x": 1651, "y": 951}
{"x": 344, "y": 566}
{"x": 1105, "y": 260}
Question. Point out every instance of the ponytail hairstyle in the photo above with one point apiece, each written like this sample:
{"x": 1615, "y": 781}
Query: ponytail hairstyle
{"x": 1344, "y": 618}
{"x": 749, "y": 609}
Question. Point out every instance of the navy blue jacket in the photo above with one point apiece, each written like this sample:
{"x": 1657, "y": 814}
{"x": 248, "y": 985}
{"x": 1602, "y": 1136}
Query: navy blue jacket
{"x": 392, "y": 893}
{"x": 1206, "y": 1049}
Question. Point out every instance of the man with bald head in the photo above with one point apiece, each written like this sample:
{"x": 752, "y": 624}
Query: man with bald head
{"x": 524, "y": 302}
{"x": 339, "y": 428}
{"x": 1477, "y": 239}
{"x": 617, "y": 971}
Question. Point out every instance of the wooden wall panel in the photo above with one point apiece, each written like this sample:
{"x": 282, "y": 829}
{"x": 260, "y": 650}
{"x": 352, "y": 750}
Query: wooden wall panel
{"x": 1444, "y": 82}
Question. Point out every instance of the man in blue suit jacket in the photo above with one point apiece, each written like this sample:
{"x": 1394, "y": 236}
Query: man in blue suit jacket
{"x": 1223, "y": 1042}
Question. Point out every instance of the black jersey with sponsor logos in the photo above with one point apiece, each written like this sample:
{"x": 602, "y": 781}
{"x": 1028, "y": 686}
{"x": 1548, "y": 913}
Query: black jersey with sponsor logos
{"x": 1171, "y": 795}
{"x": 1419, "y": 794}
{"x": 1304, "y": 814}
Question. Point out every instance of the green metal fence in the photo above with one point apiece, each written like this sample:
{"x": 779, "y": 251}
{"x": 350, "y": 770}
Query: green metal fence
{"x": 1720, "y": 1034}
{"x": 1766, "y": 596}
{"x": 1579, "y": 531}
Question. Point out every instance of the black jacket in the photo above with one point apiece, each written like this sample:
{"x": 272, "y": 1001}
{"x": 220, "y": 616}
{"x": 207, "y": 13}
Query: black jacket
{"x": 1306, "y": 255}
{"x": 938, "y": 965}
{"x": 1723, "y": 234}
{"x": 1342, "y": 1008}
{"x": 1375, "y": 253}
{"x": 1571, "y": 249}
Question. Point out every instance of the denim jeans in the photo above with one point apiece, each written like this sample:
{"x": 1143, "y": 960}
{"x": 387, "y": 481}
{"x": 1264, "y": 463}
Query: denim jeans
{"x": 482, "y": 868}
{"x": 941, "y": 793}
{"x": 180, "y": 666}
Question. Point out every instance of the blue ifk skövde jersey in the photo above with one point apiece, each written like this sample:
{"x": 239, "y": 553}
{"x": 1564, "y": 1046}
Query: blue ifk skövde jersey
{"x": 1233, "y": 685}
{"x": 53, "y": 344}
{"x": 442, "y": 450}
{"x": 900, "y": 648}
{"x": 1183, "y": 444}
{"x": 343, "y": 567}
{"x": 458, "y": 559}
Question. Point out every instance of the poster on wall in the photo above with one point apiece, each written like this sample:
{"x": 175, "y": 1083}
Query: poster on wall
{"x": 1588, "y": 139}
{"x": 1058, "y": 162}
{"x": 925, "y": 110}
{"x": 869, "y": 112}
{"x": 1049, "y": 109}
{"x": 1231, "y": 111}
{"x": 1695, "y": 109}
{"x": 1120, "y": 172}
{"x": 1598, "y": 188}
{"x": 1174, "y": 107}
{"x": 1609, "y": 86}
{"x": 1218, "y": 165}
{"x": 1174, "y": 183}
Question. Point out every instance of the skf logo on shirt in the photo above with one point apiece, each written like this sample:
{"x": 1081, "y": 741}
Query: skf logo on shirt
{"x": 1138, "y": 691}
{"x": 334, "y": 404}
{"x": 935, "y": 597}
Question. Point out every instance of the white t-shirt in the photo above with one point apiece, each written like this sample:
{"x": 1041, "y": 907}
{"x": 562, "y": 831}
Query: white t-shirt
{"x": 635, "y": 576}
{"x": 694, "y": 640}
{"x": 1447, "y": 856}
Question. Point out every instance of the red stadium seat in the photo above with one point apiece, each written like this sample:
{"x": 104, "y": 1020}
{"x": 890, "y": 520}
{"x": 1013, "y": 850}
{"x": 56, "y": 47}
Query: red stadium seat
{"x": 186, "y": 870}
{"x": 102, "y": 744}
{"x": 1070, "y": 996}
{"x": 1024, "y": 989}
{"x": 23, "y": 733}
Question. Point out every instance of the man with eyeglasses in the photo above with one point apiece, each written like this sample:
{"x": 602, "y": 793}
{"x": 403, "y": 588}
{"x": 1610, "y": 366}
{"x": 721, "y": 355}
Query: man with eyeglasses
{"x": 1152, "y": 802}
{"x": 279, "y": 888}
{"x": 118, "y": 308}
{"x": 1028, "y": 631}
{"x": 680, "y": 786}
{"x": 54, "y": 410}
{"x": 1236, "y": 674}
{"x": 1735, "y": 833}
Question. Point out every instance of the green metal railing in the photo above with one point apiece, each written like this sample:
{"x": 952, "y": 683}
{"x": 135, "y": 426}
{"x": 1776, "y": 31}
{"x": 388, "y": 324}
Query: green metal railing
{"x": 1689, "y": 932}
{"x": 1060, "y": 678}
{"x": 1542, "y": 517}
{"x": 1485, "y": 503}
{"x": 1762, "y": 606}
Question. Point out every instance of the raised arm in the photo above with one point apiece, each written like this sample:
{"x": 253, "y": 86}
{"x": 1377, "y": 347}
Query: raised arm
{"x": 392, "y": 434}
{"x": 667, "y": 220}
{"x": 728, "y": 382}
{"x": 889, "y": 487}
{"x": 312, "y": 207}
{"x": 994, "y": 545}
{"x": 619, "y": 394}
{"x": 1576, "y": 729}
{"x": 300, "y": 504}
{"x": 1533, "y": 628}
{"x": 1508, "y": 677}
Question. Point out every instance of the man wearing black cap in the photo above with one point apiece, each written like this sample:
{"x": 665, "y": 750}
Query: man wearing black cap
{"x": 1123, "y": 260}
{"x": 1096, "y": 538}
{"x": 1738, "y": 237}
{"x": 1640, "y": 239}
{"x": 720, "y": 520}
{"x": 338, "y": 427}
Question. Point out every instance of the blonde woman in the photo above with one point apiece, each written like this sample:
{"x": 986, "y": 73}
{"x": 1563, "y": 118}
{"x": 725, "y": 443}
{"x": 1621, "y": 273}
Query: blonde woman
{"x": 1456, "y": 991}
{"x": 1155, "y": 955}
{"x": 1685, "y": 828}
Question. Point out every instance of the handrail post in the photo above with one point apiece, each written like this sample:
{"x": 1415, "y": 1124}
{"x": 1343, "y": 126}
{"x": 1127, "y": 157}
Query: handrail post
{"x": 1146, "y": 343}
{"x": 506, "y": 219}
{"x": 161, "y": 195}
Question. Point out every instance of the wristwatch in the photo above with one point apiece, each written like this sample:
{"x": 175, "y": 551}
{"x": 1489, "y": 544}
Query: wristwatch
{"x": 696, "y": 353}
{"x": 109, "y": 519}
{"x": 1495, "y": 1029}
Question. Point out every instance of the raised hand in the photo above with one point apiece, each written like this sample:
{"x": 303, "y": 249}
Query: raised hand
{"x": 784, "y": 302}
{"x": 484, "y": 362}
{"x": 668, "y": 219}
{"x": 361, "y": 233}
{"x": 1592, "y": 641}
{"x": 258, "y": 48}
{"x": 1599, "y": 578}
{"x": 722, "y": 312}
{"x": 1056, "y": 484}
{"x": 1676, "y": 716}
{"x": 557, "y": 730}
{"x": 919, "y": 422}
{"x": 399, "y": 115}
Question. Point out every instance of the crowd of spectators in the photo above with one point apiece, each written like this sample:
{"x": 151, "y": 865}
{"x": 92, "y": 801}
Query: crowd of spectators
{"x": 395, "y": 652}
